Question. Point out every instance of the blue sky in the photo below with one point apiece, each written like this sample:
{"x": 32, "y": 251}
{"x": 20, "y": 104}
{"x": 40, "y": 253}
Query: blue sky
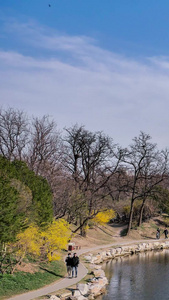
{"x": 103, "y": 64}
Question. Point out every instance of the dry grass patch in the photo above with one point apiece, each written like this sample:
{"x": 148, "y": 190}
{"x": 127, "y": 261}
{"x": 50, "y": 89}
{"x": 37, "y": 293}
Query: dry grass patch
{"x": 28, "y": 268}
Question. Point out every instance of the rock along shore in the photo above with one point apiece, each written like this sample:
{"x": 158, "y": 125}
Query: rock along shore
{"x": 97, "y": 285}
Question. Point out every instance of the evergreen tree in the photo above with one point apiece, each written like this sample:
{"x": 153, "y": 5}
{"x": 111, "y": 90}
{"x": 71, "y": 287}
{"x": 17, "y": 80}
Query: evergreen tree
{"x": 10, "y": 220}
{"x": 23, "y": 194}
{"x": 41, "y": 208}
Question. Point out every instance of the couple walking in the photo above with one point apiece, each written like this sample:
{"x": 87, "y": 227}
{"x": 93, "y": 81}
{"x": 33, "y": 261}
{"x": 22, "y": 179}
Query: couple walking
{"x": 165, "y": 233}
{"x": 72, "y": 264}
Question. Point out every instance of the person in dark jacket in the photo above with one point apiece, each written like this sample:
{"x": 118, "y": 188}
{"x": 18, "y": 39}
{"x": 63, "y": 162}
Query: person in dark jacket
{"x": 75, "y": 263}
{"x": 68, "y": 261}
{"x": 166, "y": 233}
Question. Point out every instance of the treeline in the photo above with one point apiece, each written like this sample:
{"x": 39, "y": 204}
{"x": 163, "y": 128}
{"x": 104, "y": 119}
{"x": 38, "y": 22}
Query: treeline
{"x": 75, "y": 174}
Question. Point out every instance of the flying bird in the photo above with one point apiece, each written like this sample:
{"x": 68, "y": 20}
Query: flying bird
{"x": 49, "y": 5}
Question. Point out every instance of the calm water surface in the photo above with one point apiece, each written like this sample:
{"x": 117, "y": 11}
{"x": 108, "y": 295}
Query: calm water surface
{"x": 139, "y": 277}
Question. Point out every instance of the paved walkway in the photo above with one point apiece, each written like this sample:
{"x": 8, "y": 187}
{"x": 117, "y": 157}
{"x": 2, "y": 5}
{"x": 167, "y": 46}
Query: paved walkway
{"x": 82, "y": 272}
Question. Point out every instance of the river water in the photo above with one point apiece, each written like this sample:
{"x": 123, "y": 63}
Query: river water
{"x": 138, "y": 277}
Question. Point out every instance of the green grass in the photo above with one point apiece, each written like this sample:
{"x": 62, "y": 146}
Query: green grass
{"x": 21, "y": 282}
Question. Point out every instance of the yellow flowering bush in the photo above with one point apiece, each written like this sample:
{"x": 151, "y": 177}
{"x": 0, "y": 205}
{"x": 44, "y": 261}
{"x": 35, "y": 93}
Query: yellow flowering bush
{"x": 55, "y": 238}
{"x": 29, "y": 241}
{"x": 104, "y": 217}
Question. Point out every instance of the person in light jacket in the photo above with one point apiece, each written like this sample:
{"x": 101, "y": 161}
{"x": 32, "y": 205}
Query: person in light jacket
{"x": 158, "y": 233}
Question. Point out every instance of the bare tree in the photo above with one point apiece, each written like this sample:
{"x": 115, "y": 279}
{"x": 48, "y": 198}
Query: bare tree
{"x": 62, "y": 189}
{"x": 154, "y": 173}
{"x": 146, "y": 168}
{"x": 44, "y": 146}
{"x": 91, "y": 159}
{"x": 14, "y": 132}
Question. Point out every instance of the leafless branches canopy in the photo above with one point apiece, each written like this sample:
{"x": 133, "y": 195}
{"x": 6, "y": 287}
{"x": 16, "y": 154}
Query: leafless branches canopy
{"x": 147, "y": 168}
{"x": 43, "y": 149}
{"x": 86, "y": 171}
{"x": 14, "y": 133}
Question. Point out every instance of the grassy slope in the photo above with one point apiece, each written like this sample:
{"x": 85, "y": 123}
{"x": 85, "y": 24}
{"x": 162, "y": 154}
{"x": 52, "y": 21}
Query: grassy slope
{"x": 22, "y": 282}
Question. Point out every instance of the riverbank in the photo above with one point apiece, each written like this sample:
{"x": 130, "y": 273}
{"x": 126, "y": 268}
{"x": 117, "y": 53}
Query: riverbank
{"x": 63, "y": 289}
{"x": 97, "y": 285}
{"x": 113, "y": 235}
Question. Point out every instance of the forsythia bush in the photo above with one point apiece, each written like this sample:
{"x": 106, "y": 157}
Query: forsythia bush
{"x": 51, "y": 240}
{"x": 29, "y": 242}
{"x": 104, "y": 216}
{"x": 56, "y": 238}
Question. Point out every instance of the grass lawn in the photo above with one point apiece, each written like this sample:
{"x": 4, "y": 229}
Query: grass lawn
{"x": 21, "y": 282}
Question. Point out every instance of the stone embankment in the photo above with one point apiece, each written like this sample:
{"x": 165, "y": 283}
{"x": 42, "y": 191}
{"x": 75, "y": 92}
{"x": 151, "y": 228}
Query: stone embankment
{"x": 97, "y": 285}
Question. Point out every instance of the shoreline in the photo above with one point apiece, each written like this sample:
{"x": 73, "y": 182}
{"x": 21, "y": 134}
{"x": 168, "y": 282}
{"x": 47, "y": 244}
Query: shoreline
{"x": 100, "y": 281}
{"x": 82, "y": 270}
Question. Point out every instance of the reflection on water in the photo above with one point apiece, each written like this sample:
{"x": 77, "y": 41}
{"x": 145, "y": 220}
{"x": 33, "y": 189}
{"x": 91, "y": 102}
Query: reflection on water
{"x": 138, "y": 277}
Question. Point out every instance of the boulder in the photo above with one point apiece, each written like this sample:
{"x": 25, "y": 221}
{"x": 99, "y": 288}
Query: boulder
{"x": 150, "y": 246}
{"x": 133, "y": 249}
{"x": 98, "y": 273}
{"x": 163, "y": 246}
{"x": 139, "y": 248}
{"x": 113, "y": 252}
{"x": 88, "y": 257}
{"x": 53, "y": 297}
{"x": 83, "y": 288}
{"x": 167, "y": 244}
{"x": 103, "y": 281}
{"x": 97, "y": 267}
{"x": 76, "y": 293}
{"x": 96, "y": 290}
{"x": 118, "y": 251}
{"x": 124, "y": 249}
{"x": 90, "y": 297}
{"x": 93, "y": 260}
{"x": 81, "y": 297}
{"x": 156, "y": 245}
{"x": 97, "y": 259}
{"x": 66, "y": 295}
{"x": 108, "y": 255}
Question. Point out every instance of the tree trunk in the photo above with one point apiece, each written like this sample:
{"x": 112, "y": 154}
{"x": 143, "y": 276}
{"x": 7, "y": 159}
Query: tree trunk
{"x": 130, "y": 218}
{"x": 141, "y": 213}
{"x": 83, "y": 231}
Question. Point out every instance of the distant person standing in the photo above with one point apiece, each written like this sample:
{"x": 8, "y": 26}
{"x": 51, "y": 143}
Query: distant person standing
{"x": 166, "y": 233}
{"x": 75, "y": 263}
{"x": 158, "y": 233}
{"x": 68, "y": 261}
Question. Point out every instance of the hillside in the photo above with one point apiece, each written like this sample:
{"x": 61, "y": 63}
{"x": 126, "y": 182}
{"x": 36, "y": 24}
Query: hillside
{"x": 107, "y": 234}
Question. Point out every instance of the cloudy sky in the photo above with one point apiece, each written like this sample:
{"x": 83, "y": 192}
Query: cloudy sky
{"x": 103, "y": 64}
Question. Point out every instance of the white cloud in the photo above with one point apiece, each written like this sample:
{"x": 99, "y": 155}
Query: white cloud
{"x": 77, "y": 81}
